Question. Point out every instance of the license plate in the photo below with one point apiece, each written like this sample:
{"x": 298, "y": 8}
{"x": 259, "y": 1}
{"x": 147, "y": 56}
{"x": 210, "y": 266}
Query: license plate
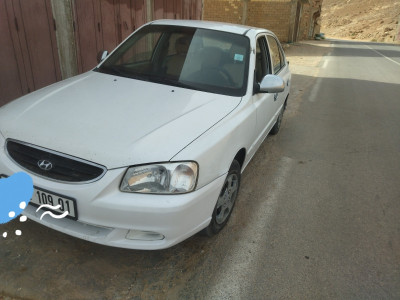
{"x": 41, "y": 197}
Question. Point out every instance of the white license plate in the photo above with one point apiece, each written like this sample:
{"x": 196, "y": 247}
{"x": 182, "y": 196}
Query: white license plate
{"x": 41, "y": 197}
{"x": 51, "y": 200}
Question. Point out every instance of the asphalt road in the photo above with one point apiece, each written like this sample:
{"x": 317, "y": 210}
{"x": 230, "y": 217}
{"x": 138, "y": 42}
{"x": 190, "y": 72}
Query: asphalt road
{"x": 318, "y": 215}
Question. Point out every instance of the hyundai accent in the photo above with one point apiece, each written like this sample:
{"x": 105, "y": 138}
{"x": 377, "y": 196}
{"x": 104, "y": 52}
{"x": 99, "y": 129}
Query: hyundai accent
{"x": 148, "y": 148}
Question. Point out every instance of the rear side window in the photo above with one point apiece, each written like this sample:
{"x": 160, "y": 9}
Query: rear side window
{"x": 278, "y": 61}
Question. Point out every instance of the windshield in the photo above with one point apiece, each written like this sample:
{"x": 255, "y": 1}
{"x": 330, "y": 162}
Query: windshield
{"x": 200, "y": 59}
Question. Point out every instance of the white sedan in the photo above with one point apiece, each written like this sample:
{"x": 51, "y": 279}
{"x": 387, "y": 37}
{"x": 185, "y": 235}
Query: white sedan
{"x": 148, "y": 148}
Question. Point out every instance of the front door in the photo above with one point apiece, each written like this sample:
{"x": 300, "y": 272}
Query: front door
{"x": 264, "y": 102}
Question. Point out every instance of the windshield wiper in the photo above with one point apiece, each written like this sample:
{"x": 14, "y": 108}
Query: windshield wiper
{"x": 121, "y": 71}
{"x": 118, "y": 70}
{"x": 112, "y": 70}
{"x": 165, "y": 80}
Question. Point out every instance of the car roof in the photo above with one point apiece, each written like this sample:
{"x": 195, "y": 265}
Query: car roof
{"x": 220, "y": 26}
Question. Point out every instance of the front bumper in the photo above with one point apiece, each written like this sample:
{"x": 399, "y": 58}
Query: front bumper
{"x": 127, "y": 220}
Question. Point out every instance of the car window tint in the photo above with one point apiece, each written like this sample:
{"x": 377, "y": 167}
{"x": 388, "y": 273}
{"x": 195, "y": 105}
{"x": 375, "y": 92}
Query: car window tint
{"x": 141, "y": 51}
{"x": 178, "y": 43}
{"x": 276, "y": 55}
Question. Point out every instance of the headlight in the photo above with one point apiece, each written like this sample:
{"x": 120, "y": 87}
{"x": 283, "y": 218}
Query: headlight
{"x": 168, "y": 178}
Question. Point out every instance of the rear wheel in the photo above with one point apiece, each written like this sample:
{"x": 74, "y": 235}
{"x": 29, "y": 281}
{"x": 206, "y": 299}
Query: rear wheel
{"x": 226, "y": 200}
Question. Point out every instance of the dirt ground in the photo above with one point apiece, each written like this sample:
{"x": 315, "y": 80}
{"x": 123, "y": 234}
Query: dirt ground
{"x": 369, "y": 20}
{"x": 304, "y": 59}
{"x": 45, "y": 264}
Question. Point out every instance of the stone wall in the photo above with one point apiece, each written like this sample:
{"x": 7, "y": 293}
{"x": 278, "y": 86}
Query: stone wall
{"x": 231, "y": 11}
{"x": 273, "y": 15}
{"x": 310, "y": 23}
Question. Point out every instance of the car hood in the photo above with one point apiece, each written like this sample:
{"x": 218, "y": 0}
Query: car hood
{"x": 113, "y": 121}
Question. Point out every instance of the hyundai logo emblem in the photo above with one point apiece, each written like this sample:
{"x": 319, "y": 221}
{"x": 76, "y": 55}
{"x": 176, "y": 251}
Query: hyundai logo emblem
{"x": 45, "y": 165}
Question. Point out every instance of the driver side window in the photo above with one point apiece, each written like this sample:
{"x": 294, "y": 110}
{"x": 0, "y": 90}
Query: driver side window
{"x": 276, "y": 55}
{"x": 262, "y": 64}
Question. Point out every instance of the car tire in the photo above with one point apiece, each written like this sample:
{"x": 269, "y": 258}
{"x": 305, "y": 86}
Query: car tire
{"x": 278, "y": 122}
{"x": 226, "y": 201}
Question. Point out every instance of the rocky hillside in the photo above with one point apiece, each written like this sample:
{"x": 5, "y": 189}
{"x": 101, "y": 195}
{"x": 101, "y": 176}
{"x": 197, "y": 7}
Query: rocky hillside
{"x": 371, "y": 20}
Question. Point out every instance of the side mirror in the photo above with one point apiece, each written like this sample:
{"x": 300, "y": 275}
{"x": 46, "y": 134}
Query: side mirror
{"x": 101, "y": 55}
{"x": 272, "y": 84}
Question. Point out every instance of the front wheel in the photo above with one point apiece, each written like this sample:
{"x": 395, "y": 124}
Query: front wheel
{"x": 226, "y": 200}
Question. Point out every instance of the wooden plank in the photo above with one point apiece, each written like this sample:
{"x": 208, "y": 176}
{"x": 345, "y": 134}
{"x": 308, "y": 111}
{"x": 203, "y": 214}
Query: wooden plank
{"x": 126, "y": 19}
{"x": 158, "y": 9}
{"x": 139, "y": 14}
{"x": 10, "y": 82}
{"x": 178, "y": 9}
{"x": 39, "y": 48}
{"x": 86, "y": 36}
{"x": 21, "y": 43}
{"x": 198, "y": 9}
{"x": 99, "y": 26}
{"x": 186, "y": 9}
{"x": 169, "y": 9}
{"x": 52, "y": 30}
{"x": 109, "y": 25}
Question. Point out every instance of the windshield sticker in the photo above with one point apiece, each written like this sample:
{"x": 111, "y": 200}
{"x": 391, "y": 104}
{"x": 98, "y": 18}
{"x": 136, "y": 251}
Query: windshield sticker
{"x": 239, "y": 57}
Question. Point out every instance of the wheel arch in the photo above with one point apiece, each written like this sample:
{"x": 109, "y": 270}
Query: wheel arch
{"x": 240, "y": 157}
{"x": 285, "y": 103}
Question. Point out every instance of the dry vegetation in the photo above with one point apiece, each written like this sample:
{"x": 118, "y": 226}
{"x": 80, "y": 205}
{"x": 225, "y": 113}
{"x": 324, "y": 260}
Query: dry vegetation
{"x": 371, "y": 20}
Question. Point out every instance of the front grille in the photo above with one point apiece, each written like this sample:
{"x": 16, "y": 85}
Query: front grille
{"x": 63, "y": 167}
